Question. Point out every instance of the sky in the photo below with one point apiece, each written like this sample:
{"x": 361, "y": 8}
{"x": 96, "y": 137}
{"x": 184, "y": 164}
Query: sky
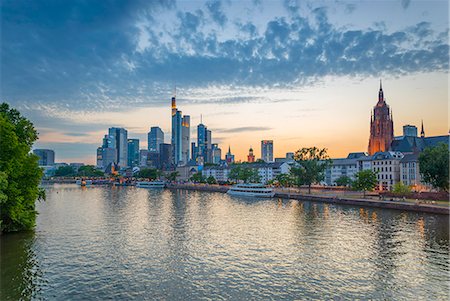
{"x": 302, "y": 73}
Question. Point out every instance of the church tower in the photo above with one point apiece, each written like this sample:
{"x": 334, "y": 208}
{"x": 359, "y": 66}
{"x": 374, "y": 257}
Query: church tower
{"x": 381, "y": 126}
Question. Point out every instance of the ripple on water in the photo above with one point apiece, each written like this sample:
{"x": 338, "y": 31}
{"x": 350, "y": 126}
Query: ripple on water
{"x": 130, "y": 243}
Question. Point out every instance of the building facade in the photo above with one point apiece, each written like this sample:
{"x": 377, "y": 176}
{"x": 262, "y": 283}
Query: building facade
{"x": 387, "y": 167}
{"x": 381, "y": 126}
{"x": 166, "y": 158}
{"x": 267, "y": 150}
{"x": 341, "y": 167}
{"x": 118, "y": 139}
{"x": 46, "y": 156}
{"x": 133, "y": 152}
{"x": 185, "y": 138}
{"x": 154, "y": 138}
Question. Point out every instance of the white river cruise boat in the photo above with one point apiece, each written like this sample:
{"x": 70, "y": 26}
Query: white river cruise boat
{"x": 253, "y": 190}
{"x": 151, "y": 184}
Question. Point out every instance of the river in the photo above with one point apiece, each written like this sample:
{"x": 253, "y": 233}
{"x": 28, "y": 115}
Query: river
{"x": 133, "y": 243}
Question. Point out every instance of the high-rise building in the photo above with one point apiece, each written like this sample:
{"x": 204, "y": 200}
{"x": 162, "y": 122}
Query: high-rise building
{"x": 208, "y": 157}
{"x": 381, "y": 126}
{"x": 201, "y": 141}
{"x": 185, "y": 138}
{"x": 143, "y": 155}
{"x": 109, "y": 157}
{"x": 216, "y": 153}
{"x": 165, "y": 155}
{"x": 267, "y": 150}
{"x": 194, "y": 151}
{"x": 176, "y": 140}
{"x": 251, "y": 156}
{"x": 118, "y": 139}
{"x": 154, "y": 138}
{"x": 46, "y": 156}
{"x": 133, "y": 152}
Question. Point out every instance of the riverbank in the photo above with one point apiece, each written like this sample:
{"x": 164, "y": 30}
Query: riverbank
{"x": 384, "y": 204}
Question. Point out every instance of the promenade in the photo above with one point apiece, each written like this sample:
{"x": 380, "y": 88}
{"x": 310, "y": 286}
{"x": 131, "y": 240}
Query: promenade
{"x": 330, "y": 198}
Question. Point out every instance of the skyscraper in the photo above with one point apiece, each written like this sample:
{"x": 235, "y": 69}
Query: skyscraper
{"x": 176, "y": 140}
{"x": 201, "y": 141}
{"x": 165, "y": 155}
{"x": 46, "y": 156}
{"x": 267, "y": 150}
{"x": 118, "y": 139}
{"x": 154, "y": 138}
{"x": 133, "y": 152}
{"x": 216, "y": 153}
{"x": 381, "y": 126}
{"x": 185, "y": 138}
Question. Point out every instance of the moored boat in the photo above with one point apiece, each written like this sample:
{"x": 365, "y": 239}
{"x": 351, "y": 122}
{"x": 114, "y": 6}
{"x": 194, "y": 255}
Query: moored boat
{"x": 151, "y": 184}
{"x": 252, "y": 190}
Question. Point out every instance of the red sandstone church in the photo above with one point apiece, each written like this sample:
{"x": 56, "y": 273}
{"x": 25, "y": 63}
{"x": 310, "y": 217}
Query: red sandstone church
{"x": 381, "y": 126}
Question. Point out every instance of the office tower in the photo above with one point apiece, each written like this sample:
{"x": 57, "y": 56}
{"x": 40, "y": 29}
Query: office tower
{"x": 176, "y": 140}
{"x": 143, "y": 155}
{"x": 99, "y": 157}
{"x": 185, "y": 138}
{"x": 216, "y": 153}
{"x": 194, "y": 151}
{"x": 165, "y": 155}
{"x": 155, "y": 138}
{"x": 381, "y": 126}
{"x": 118, "y": 139}
{"x": 133, "y": 152}
{"x": 201, "y": 140}
{"x": 46, "y": 156}
{"x": 267, "y": 150}
{"x": 409, "y": 131}
{"x": 109, "y": 156}
{"x": 208, "y": 142}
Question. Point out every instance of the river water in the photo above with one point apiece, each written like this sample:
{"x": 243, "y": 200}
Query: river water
{"x": 132, "y": 243}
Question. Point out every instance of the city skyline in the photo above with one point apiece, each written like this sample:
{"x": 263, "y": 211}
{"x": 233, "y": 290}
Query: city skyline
{"x": 299, "y": 74}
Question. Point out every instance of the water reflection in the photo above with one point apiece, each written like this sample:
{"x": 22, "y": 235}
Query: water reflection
{"x": 131, "y": 243}
{"x": 19, "y": 269}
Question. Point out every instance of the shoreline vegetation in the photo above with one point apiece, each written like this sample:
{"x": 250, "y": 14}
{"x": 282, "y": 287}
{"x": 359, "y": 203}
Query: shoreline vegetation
{"x": 331, "y": 195}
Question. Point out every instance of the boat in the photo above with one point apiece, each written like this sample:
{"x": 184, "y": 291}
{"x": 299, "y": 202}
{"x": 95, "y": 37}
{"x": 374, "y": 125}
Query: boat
{"x": 84, "y": 182}
{"x": 252, "y": 190}
{"x": 151, "y": 184}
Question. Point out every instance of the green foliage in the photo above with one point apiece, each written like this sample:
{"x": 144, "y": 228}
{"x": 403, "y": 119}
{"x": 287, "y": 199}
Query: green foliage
{"x": 365, "y": 180}
{"x": 198, "y": 178}
{"x": 284, "y": 180}
{"x": 211, "y": 180}
{"x": 19, "y": 172}
{"x": 343, "y": 181}
{"x": 312, "y": 163}
{"x": 90, "y": 171}
{"x": 401, "y": 189}
{"x": 65, "y": 171}
{"x": 149, "y": 173}
{"x": 434, "y": 165}
{"x": 172, "y": 176}
{"x": 244, "y": 173}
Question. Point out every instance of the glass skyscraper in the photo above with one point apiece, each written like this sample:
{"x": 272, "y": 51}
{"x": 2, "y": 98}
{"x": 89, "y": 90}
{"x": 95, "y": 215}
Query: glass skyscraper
{"x": 267, "y": 150}
{"x": 118, "y": 139}
{"x": 133, "y": 152}
{"x": 155, "y": 139}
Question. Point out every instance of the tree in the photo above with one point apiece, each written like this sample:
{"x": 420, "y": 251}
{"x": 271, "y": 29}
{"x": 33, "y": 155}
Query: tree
{"x": 89, "y": 171}
{"x": 20, "y": 174}
{"x": 244, "y": 173}
{"x": 401, "y": 189}
{"x": 343, "y": 181}
{"x": 149, "y": 173}
{"x": 172, "y": 176}
{"x": 284, "y": 180}
{"x": 365, "y": 180}
{"x": 211, "y": 180}
{"x": 198, "y": 178}
{"x": 312, "y": 163}
{"x": 64, "y": 171}
{"x": 433, "y": 166}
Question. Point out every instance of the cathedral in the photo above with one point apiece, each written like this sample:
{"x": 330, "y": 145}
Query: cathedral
{"x": 381, "y": 126}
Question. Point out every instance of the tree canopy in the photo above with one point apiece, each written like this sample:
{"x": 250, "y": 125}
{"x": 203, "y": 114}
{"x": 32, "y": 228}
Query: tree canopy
{"x": 343, "y": 181}
{"x": 89, "y": 171}
{"x": 19, "y": 171}
{"x": 65, "y": 171}
{"x": 244, "y": 173}
{"x": 433, "y": 166}
{"x": 198, "y": 178}
{"x": 311, "y": 165}
{"x": 365, "y": 180}
{"x": 149, "y": 173}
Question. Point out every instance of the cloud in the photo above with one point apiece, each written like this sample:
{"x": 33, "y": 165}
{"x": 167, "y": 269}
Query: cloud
{"x": 243, "y": 129}
{"x": 406, "y": 3}
{"x": 215, "y": 10}
{"x": 103, "y": 57}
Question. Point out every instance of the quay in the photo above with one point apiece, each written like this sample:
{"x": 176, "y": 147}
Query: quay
{"x": 383, "y": 204}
